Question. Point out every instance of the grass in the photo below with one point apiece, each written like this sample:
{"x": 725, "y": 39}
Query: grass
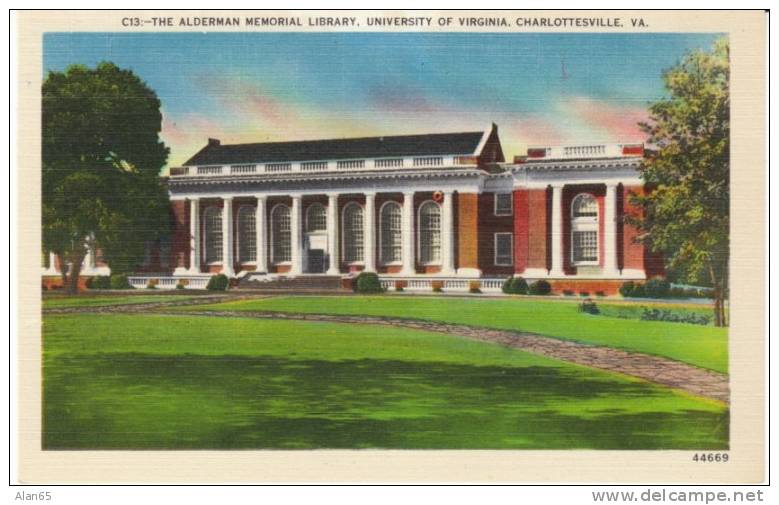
{"x": 169, "y": 382}
{"x": 56, "y": 302}
{"x": 703, "y": 346}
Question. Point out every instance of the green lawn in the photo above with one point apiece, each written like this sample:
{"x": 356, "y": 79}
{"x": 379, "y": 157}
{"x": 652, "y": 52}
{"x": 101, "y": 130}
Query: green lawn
{"x": 56, "y": 302}
{"x": 190, "y": 382}
{"x": 703, "y": 346}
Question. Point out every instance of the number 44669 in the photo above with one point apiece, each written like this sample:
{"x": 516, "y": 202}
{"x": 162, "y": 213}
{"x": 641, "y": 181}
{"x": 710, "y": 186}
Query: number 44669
{"x": 711, "y": 457}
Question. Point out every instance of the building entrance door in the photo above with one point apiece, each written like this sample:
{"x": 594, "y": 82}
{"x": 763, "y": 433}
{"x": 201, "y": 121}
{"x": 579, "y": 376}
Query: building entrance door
{"x": 316, "y": 245}
{"x": 316, "y": 261}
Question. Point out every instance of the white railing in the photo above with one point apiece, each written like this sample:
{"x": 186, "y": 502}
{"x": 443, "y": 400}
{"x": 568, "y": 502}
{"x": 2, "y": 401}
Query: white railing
{"x": 278, "y": 167}
{"x": 209, "y": 170}
{"x": 243, "y": 169}
{"x": 351, "y": 164}
{"x": 389, "y": 163}
{"x": 584, "y": 151}
{"x": 432, "y": 161}
{"x": 446, "y": 284}
{"x": 143, "y": 282}
{"x": 313, "y": 166}
{"x": 325, "y": 166}
{"x": 492, "y": 284}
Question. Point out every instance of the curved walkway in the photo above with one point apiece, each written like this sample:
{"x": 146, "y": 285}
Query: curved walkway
{"x": 656, "y": 369}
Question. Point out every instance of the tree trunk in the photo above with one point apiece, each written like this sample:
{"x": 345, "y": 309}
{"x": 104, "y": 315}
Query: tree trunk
{"x": 720, "y": 319}
{"x": 63, "y": 270}
{"x": 75, "y": 273}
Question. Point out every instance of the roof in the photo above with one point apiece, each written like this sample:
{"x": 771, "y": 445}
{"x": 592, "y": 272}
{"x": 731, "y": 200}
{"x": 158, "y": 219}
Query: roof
{"x": 433, "y": 144}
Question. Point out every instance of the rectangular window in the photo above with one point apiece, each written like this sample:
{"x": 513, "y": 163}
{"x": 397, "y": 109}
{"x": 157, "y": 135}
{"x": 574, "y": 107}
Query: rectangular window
{"x": 503, "y": 204}
{"x": 585, "y": 246}
{"x": 504, "y": 249}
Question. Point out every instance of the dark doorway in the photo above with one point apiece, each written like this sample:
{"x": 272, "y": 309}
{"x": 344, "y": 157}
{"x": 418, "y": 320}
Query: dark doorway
{"x": 316, "y": 261}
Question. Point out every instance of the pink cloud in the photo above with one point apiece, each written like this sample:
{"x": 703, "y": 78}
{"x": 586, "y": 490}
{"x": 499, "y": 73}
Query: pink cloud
{"x": 248, "y": 99}
{"x": 618, "y": 121}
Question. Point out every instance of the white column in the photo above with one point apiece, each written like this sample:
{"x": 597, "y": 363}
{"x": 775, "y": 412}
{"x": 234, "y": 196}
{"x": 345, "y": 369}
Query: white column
{"x": 334, "y": 268}
{"x": 408, "y": 234}
{"x": 52, "y": 269}
{"x": 610, "y": 232}
{"x": 369, "y": 238}
{"x": 447, "y": 234}
{"x": 227, "y": 237}
{"x": 88, "y": 263}
{"x": 557, "y": 231}
{"x": 295, "y": 215}
{"x": 194, "y": 236}
{"x": 261, "y": 224}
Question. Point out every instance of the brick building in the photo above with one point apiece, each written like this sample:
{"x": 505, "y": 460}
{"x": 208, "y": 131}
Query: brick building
{"x": 416, "y": 209}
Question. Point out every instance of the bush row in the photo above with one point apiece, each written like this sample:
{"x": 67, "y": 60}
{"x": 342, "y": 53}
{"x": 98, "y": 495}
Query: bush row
{"x": 674, "y": 317}
{"x": 660, "y": 288}
{"x": 519, "y": 286}
{"x": 588, "y": 306}
{"x": 116, "y": 281}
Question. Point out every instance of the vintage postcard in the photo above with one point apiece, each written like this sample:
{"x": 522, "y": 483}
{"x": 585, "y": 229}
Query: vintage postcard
{"x": 390, "y": 246}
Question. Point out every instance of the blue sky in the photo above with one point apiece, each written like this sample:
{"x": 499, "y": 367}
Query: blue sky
{"x": 254, "y": 87}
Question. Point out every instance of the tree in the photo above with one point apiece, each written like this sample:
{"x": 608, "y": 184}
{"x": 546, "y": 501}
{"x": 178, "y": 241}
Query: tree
{"x": 685, "y": 212}
{"x": 102, "y": 158}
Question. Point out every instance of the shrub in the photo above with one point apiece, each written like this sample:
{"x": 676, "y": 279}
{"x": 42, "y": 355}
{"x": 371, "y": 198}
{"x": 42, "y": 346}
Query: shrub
{"x": 584, "y": 294}
{"x": 474, "y": 290}
{"x": 657, "y": 288}
{"x": 367, "y": 282}
{"x": 627, "y": 288}
{"x": 99, "y": 282}
{"x": 519, "y": 286}
{"x": 179, "y": 285}
{"x": 506, "y": 288}
{"x": 674, "y": 317}
{"x": 515, "y": 286}
{"x": 540, "y": 287}
{"x": 398, "y": 288}
{"x": 600, "y": 294}
{"x": 120, "y": 281}
{"x": 639, "y": 291}
{"x": 151, "y": 285}
{"x": 568, "y": 292}
{"x": 218, "y": 282}
{"x": 589, "y": 307}
{"x": 438, "y": 289}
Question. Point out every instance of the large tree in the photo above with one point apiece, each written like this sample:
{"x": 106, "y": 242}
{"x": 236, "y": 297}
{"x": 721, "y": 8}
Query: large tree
{"x": 686, "y": 212}
{"x": 102, "y": 158}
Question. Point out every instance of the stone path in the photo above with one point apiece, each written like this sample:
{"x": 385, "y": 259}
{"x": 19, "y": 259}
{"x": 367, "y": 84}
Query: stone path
{"x": 664, "y": 371}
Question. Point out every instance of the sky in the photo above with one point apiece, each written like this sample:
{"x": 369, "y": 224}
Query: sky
{"x": 540, "y": 89}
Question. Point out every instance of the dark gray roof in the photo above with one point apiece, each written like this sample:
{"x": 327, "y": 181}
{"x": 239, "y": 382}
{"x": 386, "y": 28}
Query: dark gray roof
{"x": 435, "y": 144}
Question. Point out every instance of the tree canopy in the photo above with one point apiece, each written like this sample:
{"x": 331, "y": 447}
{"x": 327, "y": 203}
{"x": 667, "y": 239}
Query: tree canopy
{"x": 102, "y": 157}
{"x": 686, "y": 212}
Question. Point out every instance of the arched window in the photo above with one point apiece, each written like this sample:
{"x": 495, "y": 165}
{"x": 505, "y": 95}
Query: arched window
{"x": 247, "y": 234}
{"x": 430, "y": 233}
{"x": 316, "y": 218}
{"x": 212, "y": 230}
{"x": 584, "y": 229}
{"x": 390, "y": 233}
{"x": 353, "y": 233}
{"x": 281, "y": 234}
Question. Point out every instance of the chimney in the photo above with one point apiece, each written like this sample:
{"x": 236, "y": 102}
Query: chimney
{"x": 213, "y": 142}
